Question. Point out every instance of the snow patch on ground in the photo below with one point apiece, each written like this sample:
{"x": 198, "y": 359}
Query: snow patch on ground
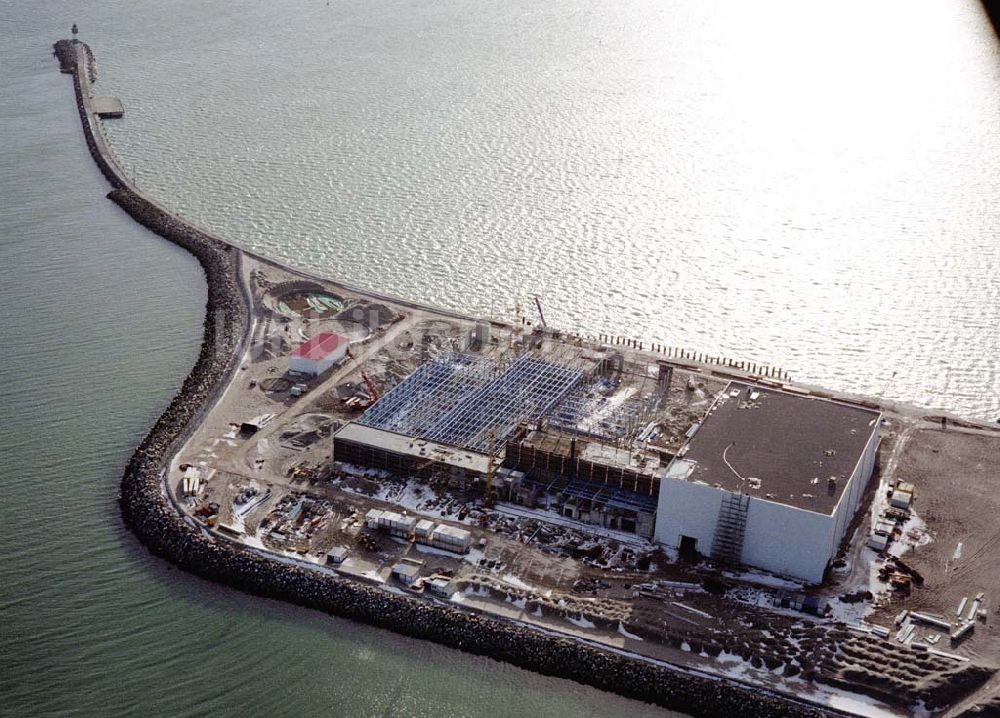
{"x": 765, "y": 579}
{"x": 424, "y": 548}
{"x": 474, "y": 556}
{"x": 850, "y": 613}
{"x": 516, "y": 581}
{"x": 857, "y": 704}
{"x": 411, "y": 496}
{"x": 692, "y": 610}
{"x": 581, "y": 622}
{"x": 253, "y": 542}
{"x": 599, "y": 409}
{"x": 913, "y": 533}
{"x": 624, "y": 632}
{"x": 733, "y": 666}
{"x": 761, "y": 597}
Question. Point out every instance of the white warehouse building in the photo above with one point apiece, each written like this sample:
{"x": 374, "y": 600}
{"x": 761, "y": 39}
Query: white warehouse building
{"x": 318, "y": 354}
{"x": 770, "y": 479}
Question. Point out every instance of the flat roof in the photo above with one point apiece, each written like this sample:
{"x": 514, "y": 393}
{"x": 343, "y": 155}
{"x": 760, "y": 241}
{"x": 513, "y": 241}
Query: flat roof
{"x": 454, "y": 532}
{"x": 412, "y": 446}
{"x": 790, "y": 443}
{"x": 321, "y": 346}
{"x": 391, "y": 516}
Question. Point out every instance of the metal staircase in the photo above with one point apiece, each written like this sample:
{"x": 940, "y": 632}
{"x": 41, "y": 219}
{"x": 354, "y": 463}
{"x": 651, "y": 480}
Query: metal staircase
{"x": 727, "y": 546}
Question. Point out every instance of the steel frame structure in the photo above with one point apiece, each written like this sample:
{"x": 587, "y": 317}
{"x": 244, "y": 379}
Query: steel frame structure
{"x": 467, "y": 401}
{"x": 430, "y": 391}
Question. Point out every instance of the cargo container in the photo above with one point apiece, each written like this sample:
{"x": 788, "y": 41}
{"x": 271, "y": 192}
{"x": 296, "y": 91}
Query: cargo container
{"x": 396, "y": 524}
{"x": 451, "y": 539}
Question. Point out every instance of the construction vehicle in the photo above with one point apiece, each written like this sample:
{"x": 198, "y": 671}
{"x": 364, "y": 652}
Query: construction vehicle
{"x": 372, "y": 392}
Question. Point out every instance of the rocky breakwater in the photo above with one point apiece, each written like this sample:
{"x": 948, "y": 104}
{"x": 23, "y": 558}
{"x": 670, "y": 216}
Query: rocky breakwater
{"x": 158, "y": 524}
{"x": 67, "y": 53}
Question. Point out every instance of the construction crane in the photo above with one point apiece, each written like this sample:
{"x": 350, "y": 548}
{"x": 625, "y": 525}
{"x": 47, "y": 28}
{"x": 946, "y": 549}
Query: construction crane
{"x": 541, "y": 317}
{"x": 372, "y": 392}
{"x": 488, "y": 500}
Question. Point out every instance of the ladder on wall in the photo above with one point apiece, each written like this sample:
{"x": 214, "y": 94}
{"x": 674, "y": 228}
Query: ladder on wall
{"x": 727, "y": 546}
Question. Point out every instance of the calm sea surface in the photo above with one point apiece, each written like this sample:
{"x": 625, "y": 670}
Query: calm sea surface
{"x": 816, "y": 188}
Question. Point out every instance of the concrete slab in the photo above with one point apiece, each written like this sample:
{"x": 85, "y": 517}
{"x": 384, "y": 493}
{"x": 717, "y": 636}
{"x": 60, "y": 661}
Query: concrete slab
{"x": 107, "y": 107}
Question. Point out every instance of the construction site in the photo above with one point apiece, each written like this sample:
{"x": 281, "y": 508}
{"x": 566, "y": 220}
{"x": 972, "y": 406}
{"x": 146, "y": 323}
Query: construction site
{"x": 695, "y": 510}
{"x": 645, "y": 504}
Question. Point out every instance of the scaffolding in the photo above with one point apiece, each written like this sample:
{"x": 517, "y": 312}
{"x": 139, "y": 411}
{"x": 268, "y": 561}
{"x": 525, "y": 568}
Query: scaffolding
{"x": 730, "y": 529}
{"x": 460, "y": 400}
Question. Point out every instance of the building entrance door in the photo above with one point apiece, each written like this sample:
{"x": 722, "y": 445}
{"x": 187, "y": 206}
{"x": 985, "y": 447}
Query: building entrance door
{"x": 688, "y": 547}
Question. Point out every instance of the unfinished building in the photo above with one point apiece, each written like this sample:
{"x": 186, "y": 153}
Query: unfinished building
{"x": 577, "y": 431}
{"x": 597, "y": 482}
{"x": 601, "y": 451}
{"x": 452, "y": 413}
{"x": 770, "y": 479}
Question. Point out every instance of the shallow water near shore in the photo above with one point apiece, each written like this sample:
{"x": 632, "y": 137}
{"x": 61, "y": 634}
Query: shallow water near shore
{"x": 514, "y": 158}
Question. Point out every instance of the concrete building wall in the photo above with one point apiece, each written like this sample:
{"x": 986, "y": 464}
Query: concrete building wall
{"x": 855, "y": 490}
{"x": 358, "y": 454}
{"x": 787, "y": 541}
{"x": 687, "y": 509}
{"x": 539, "y": 463}
{"x": 779, "y": 538}
{"x": 304, "y": 365}
{"x": 376, "y": 457}
{"x": 645, "y": 524}
{"x": 301, "y": 365}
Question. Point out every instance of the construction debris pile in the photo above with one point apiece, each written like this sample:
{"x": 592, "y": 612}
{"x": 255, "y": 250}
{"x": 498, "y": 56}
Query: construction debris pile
{"x": 292, "y": 522}
{"x": 604, "y": 612}
{"x": 591, "y": 549}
